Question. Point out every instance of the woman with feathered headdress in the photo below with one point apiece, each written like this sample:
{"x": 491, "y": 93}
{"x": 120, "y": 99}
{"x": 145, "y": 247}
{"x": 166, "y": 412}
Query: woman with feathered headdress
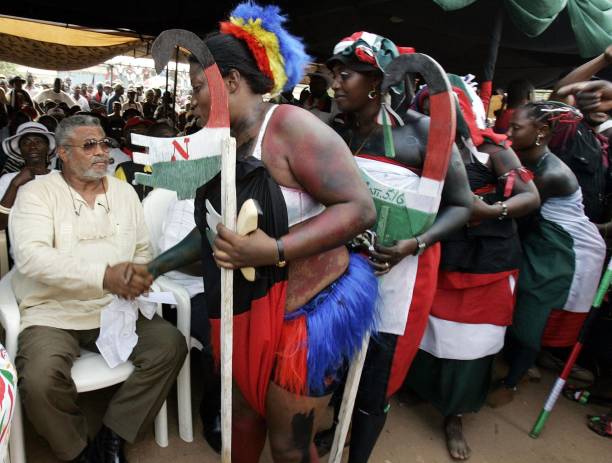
{"x": 295, "y": 326}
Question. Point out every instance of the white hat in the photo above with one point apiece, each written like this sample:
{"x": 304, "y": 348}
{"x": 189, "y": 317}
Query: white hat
{"x": 11, "y": 145}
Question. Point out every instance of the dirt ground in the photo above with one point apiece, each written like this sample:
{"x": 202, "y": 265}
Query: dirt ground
{"x": 412, "y": 434}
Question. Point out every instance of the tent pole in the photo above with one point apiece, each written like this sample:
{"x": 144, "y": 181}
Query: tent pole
{"x": 167, "y": 72}
{"x": 175, "y": 81}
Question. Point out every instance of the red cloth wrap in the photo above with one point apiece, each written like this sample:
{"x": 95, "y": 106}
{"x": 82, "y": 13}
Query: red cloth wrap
{"x": 524, "y": 174}
{"x": 562, "y": 328}
{"x": 257, "y": 334}
{"x": 475, "y": 297}
{"x": 422, "y": 298}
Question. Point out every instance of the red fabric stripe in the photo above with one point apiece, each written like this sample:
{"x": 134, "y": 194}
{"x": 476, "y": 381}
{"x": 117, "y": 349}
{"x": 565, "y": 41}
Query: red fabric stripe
{"x": 257, "y": 334}
{"x": 475, "y": 298}
{"x": 485, "y": 189}
{"x": 562, "y": 328}
{"x": 389, "y": 161}
{"x": 422, "y": 297}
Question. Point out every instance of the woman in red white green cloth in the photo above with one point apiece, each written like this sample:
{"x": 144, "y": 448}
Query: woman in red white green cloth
{"x": 478, "y": 272}
{"x": 407, "y": 269}
{"x": 563, "y": 253}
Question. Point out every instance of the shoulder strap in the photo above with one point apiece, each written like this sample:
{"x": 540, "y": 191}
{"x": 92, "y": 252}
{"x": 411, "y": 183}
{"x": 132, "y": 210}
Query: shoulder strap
{"x": 262, "y": 131}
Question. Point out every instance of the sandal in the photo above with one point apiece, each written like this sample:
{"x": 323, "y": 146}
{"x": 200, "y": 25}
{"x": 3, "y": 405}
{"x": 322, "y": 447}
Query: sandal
{"x": 584, "y": 396}
{"x": 601, "y": 425}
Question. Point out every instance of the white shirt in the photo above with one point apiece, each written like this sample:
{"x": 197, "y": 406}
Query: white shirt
{"x": 83, "y": 103}
{"x": 61, "y": 257}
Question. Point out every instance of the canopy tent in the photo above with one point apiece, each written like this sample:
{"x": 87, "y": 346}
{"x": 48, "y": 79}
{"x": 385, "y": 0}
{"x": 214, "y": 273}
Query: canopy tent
{"x": 591, "y": 20}
{"x": 51, "y": 46}
{"x": 539, "y": 40}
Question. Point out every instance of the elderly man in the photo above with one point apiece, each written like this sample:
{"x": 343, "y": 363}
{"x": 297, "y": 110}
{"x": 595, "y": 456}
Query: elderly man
{"x": 79, "y": 237}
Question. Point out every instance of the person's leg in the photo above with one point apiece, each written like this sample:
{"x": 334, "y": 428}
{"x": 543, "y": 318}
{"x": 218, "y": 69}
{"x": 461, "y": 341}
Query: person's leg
{"x": 248, "y": 430}
{"x": 458, "y": 447}
{"x": 522, "y": 360}
{"x": 157, "y": 357}
{"x": 372, "y": 404}
{"x": 44, "y": 360}
{"x": 293, "y": 421}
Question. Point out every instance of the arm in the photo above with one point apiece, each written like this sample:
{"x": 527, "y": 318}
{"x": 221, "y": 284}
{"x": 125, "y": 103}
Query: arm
{"x": 323, "y": 165}
{"x": 306, "y": 153}
{"x": 456, "y": 204}
{"x": 187, "y": 252}
{"x": 590, "y": 96}
{"x": 584, "y": 72}
{"x": 10, "y": 194}
{"x": 524, "y": 199}
{"x": 454, "y": 212}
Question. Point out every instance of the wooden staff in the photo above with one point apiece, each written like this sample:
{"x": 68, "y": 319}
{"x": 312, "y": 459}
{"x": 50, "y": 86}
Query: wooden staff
{"x": 205, "y": 143}
{"x": 228, "y": 211}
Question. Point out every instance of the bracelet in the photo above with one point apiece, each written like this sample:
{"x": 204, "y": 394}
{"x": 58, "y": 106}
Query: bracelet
{"x": 5, "y": 210}
{"x": 421, "y": 246}
{"x": 281, "y": 253}
{"x": 504, "y": 212}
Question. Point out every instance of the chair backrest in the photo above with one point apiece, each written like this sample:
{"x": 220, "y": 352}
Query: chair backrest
{"x": 156, "y": 206}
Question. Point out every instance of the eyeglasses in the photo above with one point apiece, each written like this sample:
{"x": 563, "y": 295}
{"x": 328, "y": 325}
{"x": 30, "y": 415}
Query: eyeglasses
{"x": 89, "y": 146}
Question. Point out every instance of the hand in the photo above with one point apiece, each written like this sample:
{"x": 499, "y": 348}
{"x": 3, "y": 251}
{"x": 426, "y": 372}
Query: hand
{"x": 594, "y": 96}
{"x": 23, "y": 177}
{"x": 127, "y": 280}
{"x": 233, "y": 251}
{"x": 383, "y": 259}
{"x": 483, "y": 210}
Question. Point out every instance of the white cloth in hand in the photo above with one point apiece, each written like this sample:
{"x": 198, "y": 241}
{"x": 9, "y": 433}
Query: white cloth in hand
{"x": 118, "y": 328}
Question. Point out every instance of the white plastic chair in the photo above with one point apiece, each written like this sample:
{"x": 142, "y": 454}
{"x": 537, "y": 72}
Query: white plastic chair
{"x": 156, "y": 206}
{"x": 89, "y": 372}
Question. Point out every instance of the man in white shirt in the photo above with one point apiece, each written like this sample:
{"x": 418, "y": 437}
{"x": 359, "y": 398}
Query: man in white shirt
{"x": 79, "y": 238}
{"x": 80, "y": 99}
{"x": 55, "y": 94}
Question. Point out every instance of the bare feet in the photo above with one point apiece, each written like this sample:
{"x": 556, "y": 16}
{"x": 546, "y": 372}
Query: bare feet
{"x": 455, "y": 441}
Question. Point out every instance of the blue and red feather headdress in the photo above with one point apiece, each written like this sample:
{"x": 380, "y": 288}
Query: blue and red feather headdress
{"x": 278, "y": 54}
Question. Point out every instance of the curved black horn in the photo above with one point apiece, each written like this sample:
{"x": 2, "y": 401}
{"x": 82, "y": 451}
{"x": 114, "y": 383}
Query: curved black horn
{"x": 163, "y": 48}
{"x": 432, "y": 72}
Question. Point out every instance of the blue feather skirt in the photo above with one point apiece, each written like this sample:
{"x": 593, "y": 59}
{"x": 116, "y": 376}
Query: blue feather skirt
{"x": 322, "y": 336}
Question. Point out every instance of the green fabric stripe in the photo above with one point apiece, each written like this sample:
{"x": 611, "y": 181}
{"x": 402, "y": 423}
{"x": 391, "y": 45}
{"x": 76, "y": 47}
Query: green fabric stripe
{"x": 545, "y": 277}
{"x": 452, "y": 386}
{"x": 184, "y": 177}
